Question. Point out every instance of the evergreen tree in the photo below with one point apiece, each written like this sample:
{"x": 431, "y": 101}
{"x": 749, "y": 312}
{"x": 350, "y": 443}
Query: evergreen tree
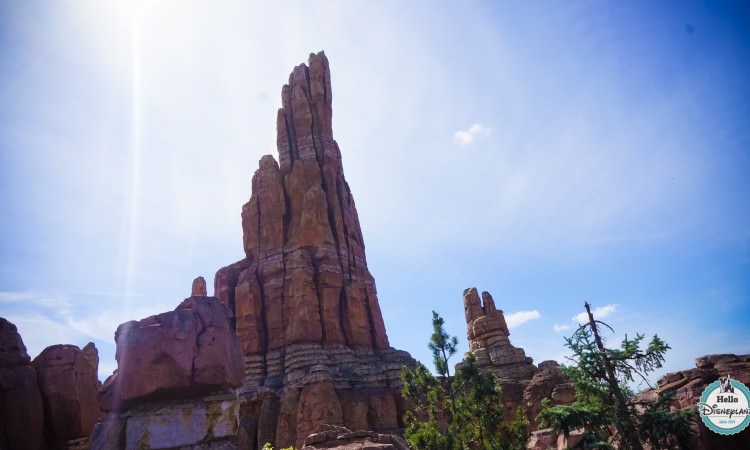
{"x": 603, "y": 400}
{"x": 461, "y": 412}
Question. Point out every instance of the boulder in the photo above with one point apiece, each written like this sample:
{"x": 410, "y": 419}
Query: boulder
{"x": 69, "y": 384}
{"x": 21, "y": 410}
{"x": 550, "y": 382}
{"x": 341, "y": 438}
{"x": 190, "y": 351}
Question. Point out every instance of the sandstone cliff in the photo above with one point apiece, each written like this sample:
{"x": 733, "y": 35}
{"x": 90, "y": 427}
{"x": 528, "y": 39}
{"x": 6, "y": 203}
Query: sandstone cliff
{"x": 294, "y": 337}
{"x": 307, "y": 311}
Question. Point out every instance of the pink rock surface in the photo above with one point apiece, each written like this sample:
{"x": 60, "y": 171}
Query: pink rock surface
{"x": 21, "y": 410}
{"x": 69, "y": 384}
{"x": 182, "y": 353}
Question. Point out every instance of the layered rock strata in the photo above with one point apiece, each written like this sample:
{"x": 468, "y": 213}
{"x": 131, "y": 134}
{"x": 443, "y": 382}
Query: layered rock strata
{"x": 21, "y": 411}
{"x": 522, "y": 382}
{"x": 306, "y": 308}
{"x": 202, "y": 422}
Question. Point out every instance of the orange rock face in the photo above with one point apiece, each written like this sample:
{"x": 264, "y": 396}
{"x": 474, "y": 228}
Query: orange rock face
{"x": 306, "y": 309}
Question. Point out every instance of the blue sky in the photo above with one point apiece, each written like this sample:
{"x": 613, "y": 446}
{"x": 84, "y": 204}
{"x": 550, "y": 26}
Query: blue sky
{"x": 549, "y": 152}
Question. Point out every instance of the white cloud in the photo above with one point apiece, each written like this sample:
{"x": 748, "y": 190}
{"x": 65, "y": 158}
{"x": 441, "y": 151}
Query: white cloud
{"x": 599, "y": 313}
{"x": 518, "y": 318}
{"x": 464, "y": 138}
{"x": 50, "y": 301}
{"x": 559, "y": 327}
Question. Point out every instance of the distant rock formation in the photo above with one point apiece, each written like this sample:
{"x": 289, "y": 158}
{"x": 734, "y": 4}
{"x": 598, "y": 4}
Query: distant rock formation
{"x": 522, "y": 382}
{"x": 689, "y": 386}
{"x": 21, "y": 410}
{"x": 549, "y": 382}
{"x": 69, "y": 384}
{"x": 307, "y": 312}
{"x": 50, "y": 402}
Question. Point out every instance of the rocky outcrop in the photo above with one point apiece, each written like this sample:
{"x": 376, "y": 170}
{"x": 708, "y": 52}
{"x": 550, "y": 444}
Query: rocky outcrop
{"x": 341, "y": 438}
{"x": 21, "y": 411}
{"x": 305, "y": 276}
{"x": 199, "y": 288}
{"x": 306, "y": 308}
{"x": 688, "y": 386}
{"x": 69, "y": 383}
{"x": 547, "y": 439}
{"x": 549, "y": 382}
{"x": 188, "y": 352}
{"x": 174, "y": 383}
{"x": 208, "y": 422}
{"x": 523, "y": 384}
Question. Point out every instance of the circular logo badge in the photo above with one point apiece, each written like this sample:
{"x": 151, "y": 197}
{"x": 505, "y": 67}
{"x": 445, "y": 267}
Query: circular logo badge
{"x": 725, "y": 406}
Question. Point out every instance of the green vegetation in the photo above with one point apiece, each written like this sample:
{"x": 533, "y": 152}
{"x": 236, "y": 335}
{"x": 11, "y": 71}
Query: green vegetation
{"x": 461, "y": 412}
{"x": 604, "y": 408}
{"x": 268, "y": 446}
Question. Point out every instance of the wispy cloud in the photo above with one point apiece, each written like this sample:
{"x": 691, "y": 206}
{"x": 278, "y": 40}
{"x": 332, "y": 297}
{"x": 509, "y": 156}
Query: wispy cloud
{"x": 517, "y": 319}
{"x": 558, "y": 328}
{"x": 466, "y": 137}
{"x": 599, "y": 313}
{"x": 59, "y": 303}
{"x": 48, "y": 318}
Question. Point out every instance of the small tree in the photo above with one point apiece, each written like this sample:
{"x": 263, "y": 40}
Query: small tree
{"x": 603, "y": 400}
{"x": 463, "y": 412}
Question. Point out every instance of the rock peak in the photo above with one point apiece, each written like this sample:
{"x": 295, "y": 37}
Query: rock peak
{"x": 305, "y": 276}
{"x": 306, "y": 309}
{"x": 199, "y": 287}
{"x": 303, "y": 123}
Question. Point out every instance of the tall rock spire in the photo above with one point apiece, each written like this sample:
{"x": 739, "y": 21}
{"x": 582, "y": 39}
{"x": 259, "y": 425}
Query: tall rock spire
{"x": 305, "y": 276}
{"x": 306, "y": 310}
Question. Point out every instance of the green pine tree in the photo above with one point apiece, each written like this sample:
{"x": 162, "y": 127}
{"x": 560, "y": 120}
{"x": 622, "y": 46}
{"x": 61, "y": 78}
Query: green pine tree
{"x": 603, "y": 400}
{"x": 461, "y": 412}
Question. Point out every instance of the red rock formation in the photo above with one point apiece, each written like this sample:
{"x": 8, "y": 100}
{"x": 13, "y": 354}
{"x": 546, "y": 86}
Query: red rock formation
{"x": 21, "y": 411}
{"x": 186, "y": 352}
{"x": 199, "y": 287}
{"x": 522, "y": 383}
{"x": 306, "y": 308}
{"x": 305, "y": 266}
{"x": 341, "y": 438}
{"x": 549, "y": 382}
{"x": 689, "y": 386}
{"x": 69, "y": 384}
